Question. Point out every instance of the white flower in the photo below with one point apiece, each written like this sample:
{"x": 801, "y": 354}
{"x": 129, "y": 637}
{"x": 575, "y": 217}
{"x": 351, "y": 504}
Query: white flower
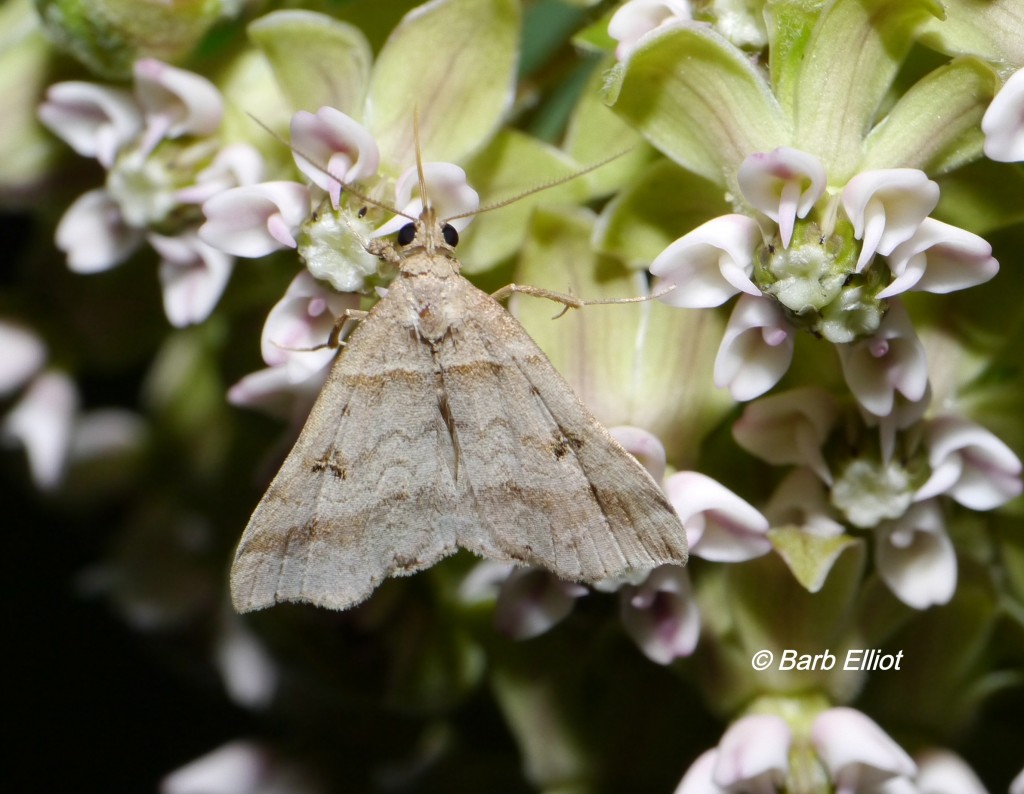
{"x": 886, "y": 207}
{"x": 193, "y": 275}
{"x": 239, "y": 767}
{"x": 889, "y": 361}
{"x": 450, "y": 196}
{"x": 940, "y": 258}
{"x": 800, "y": 500}
{"x": 719, "y": 525}
{"x": 175, "y": 102}
{"x": 644, "y": 446}
{"x": 255, "y": 220}
{"x": 857, "y": 753}
{"x": 789, "y": 428}
{"x": 784, "y": 184}
{"x": 532, "y": 601}
{"x": 42, "y": 421}
{"x": 969, "y": 464}
{"x": 95, "y": 121}
{"x": 1003, "y": 123}
{"x": 249, "y": 674}
{"x": 24, "y": 354}
{"x": 698, "y": 778}
{"x": 915, "y": 556}
{"x": 756, "y": 349}
{"x": 1017, "y": 784}
{"x": 94, "y": 235}
{"x": 661, "y": 615}
{"x": 234, "y": 165}
{"x": 944, "y": 772}
{"x": 753, "y": 754}
{"x": 638, "y": 17}
{"x": 333, "y": 149}
{"x": 710, "y": 264}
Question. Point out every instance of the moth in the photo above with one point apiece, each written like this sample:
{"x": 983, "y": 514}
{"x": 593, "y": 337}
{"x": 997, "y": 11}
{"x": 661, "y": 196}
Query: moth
{"x": 442, "y": 426}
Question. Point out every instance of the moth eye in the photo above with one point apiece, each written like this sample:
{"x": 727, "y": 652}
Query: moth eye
{"x": 406, "y": 234}
{"x": 451, "y": 236}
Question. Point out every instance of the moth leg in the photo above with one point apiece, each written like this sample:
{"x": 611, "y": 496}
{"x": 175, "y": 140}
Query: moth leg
{"x": 567, "y": 301}
{"x": 348, "y": 316}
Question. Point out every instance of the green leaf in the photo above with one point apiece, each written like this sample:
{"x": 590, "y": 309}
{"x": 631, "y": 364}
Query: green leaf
{"x": 453, "y": 62}
{"x": 993, "y": 30}
{"x": 936, "y": 125}
{"x": 317, "y": 60}
{"x": 847, "y": 68}
{"x": 699, "y": 100}
{"x": 512, "y": 164}
{"x": 810, "y": 557}
{"x": 790, "y": 25}
{"x": 643, "y": 364}
{"x": 661, "y": 205}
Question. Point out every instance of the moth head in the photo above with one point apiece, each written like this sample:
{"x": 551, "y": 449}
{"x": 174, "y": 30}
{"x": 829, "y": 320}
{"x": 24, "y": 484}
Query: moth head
{"x": 425, "y": 230}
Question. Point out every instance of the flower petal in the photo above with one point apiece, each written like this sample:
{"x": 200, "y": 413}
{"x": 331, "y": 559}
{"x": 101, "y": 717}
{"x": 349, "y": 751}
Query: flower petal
{"x": 234, "y": 165}
{"x": 450, "y": 195}
{"x": 944, "y": 772}
{"x": 856, "y": 751}
{"x": 783, "y": 184}
{"x": 193, "y": 275}
{"x": 95, "y": 121}
{"x": 175, "y": 102}
{"x": 710, "y": 264}
{"x": 1003, "y": 123}
{"x": 940, "y": 258}
{"x": 753, "y": 754}
{"x": 255, "y": 220}
{"x": 915, "y": 557}
{"x": 719, "y": 525}
{"x": 333, "y": 149}
{"x": 644, "y": 446}
{"x": 661, "y": 615}
{"x": 94, "y": 235}
{"x": 756, "y": 349}
{"x": 24, "y": 354}
{"x": 697, "y": 779}
{"x": 42, "y": 421}
{"x": 970, "y": 464}
{"x": 532, "y": 601}
{"x": 638, "y": 17}
{"x": 886, "y": 207}
{"x": 890, "y": 361}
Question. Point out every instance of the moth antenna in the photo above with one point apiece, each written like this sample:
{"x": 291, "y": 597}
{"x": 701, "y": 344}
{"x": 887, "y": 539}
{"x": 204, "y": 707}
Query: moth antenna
{"x": 427, "y": 206}
{"x": 538, "y": 188}
{"x": 345, "y": 185}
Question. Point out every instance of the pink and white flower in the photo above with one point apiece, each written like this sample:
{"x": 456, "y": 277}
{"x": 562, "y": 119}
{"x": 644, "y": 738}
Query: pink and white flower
{"x": 636, "y": 18}
{"x": 661, "y": 615}
{"x": 916, "y": 558}
{"x": 857, "y": 753}
{"x": 1003, "y": 123}
{"x": 752, "y": 755}
{"x": 333, "y": 149}
{"x": 719, "y": 525}
{"x": 784, "y": 184}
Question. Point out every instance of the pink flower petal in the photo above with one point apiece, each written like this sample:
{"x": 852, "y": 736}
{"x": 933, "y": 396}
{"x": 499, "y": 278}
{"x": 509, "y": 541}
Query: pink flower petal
{"x": 193, "y": 275}
{"x": 1003, "y": 123}
{"x": 450, "y": 195}
{"x": 94, "y": 235}
{"x": 255, "y": 220}
{"x": 857, "y": 753}
{"x": 915, "y": 557}
{"x": 800, "y": 500}
{"x": 234, "y": 165}
{"x": 783, "y": 184}
{"x": 944, "y": 772}
{"x": 532, "y": 601}
{"x": 753, "y": 754}
{"x": 719, "y": 525}
{"x": 698, "y": 778}
{"x": 96, "y": 121}
{"x": 644, "y": 446}
{"x": 42, "y": 421}
{"x": 940, "y": 258}
{"x": 661, "y": 615}
{"x": 710, "y": 264}
{"x": 638, "y": 17}
{"x": 756, "y": 349}
{"x": 175, "y": 102}
{"x": 886, "y": 207}
{"x": 24, "y": 354}
{"x": 332, "y": 148}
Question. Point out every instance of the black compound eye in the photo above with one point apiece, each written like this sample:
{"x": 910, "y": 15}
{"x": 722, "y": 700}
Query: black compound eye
{"x": 406, "y": 234}
{"x": 451, "y": 236}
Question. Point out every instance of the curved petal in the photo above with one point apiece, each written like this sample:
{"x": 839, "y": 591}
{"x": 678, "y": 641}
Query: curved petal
{"x": 783, "y": 184}
{"x": 892, "y": 360}
{"x": 644, "y": 446}
{"x": 333, "y": 149}
{"x": 1003, "y": 123}
{"x": 43, "y": 421}
{"x": 193, "y": 276}
{"x": 698, "y": 778}
{"x": 756, "y": 349}
{"x": 940, "y": 258}
{"x": 450, "y": 195}
{"x": 255, "y": 220}
{"x": 234, "y": 165}
{"x": 856, "y": 751}
{"x": 970, "y": 464}
{"x": 94, "y": 235}
{"x": 661, "y": 615}
{"x": 916, "y": 558}
{"x": 886, "y": 207}
{"x": 636, "y": 18}
{"x": 532, "y": 601}
{"x": 175, "y": 102}
{"x": 719, "y": 525}
{"x": 24, "y": 355}
{"x": 944, "y": 772}
{"x": 95, "y": 121}
{"x": 710, "y": 264}
{"x": 753, "y": 754}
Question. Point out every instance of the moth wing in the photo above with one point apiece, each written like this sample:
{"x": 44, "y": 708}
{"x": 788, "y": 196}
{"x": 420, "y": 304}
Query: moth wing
{"x": 550, "y": 484}
{"x": 368, "y": 489}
